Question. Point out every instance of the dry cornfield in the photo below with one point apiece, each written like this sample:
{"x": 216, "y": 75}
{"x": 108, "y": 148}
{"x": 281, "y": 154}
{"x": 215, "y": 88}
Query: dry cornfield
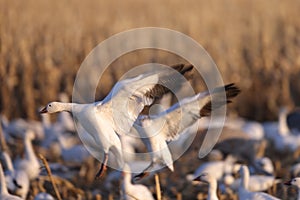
{"x": 255, "y": 44}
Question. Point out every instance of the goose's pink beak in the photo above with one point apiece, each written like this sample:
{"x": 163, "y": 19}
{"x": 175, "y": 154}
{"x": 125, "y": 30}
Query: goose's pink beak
{"x": 288, "y": 183}
{"x": 44, "y": 110}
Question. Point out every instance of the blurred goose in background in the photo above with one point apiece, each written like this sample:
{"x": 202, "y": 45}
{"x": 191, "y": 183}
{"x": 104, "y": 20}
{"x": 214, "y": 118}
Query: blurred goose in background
{"x": 131, "y": 191}
{"x": 263, "y": 165}
{"x": 212, "y": 185}
{"x": 17, "y": 181}
{"x": 18, "y": 127}
{"x": 156, "y": 130}
{"x": 257, "y": 183}
{"x": 280, "y": 134}
{"x": 43, "y": 196}
{"x": 74, "y": 154}
{"x": 4, "y": 195}
{"x": 243, "y": 190}
{"x": 293, "y": 121}
{"x": 295, "y": 170}
{"x": 30, "y": 164}
{"x": 295, "y": 182}
{"x": 127, "y": 98}
{"x": 217, "y": 169}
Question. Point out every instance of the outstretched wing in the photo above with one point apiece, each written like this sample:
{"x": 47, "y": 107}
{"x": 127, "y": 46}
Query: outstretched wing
{"x": 128, "y": 97}
{"x": 186, "y": 112}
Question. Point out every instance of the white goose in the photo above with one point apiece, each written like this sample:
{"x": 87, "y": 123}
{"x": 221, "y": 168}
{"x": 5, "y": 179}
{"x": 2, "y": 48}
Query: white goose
{"x": 4, "y": 195}
{"x": 280, "y": 134}
{"x": 295, "y": 182}
{"x": 218, "y": 169}
{"x": 131, "y": 191}
{"x": 244, "y": 193}
{"x": 30, "y": 164}
{"x": 107, "y": 119}
{"x": 212, "y": 185}
{"x": 17, "y": 180}
{"x": 176, "y": 119}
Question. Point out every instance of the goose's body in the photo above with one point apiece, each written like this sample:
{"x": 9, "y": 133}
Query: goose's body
{"x": 244, "y": 192}
{"x": 157, "y": 130}
{"x": 280, "y": 134}
{"x": 30, "y": 164}
{"x": 4, "y": 195}
{"x": 17, "y": 180}
{"x": 217, "y": 169}
{"x": 257, "y": 183}
{"x": 106, "y": 120}
{"x": 295, "y": 182}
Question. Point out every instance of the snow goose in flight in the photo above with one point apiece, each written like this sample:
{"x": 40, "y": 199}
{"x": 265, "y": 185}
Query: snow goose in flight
{"x": 212, "y": 185}
{"x": 243, "y": 190}
{"x": 177, "y": 118}
{"x": 114, "y": 116}
{"x": 4, "y": 195}
{"x": 295, "y": 182}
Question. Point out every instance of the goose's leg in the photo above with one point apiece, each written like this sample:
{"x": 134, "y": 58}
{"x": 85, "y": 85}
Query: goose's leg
{"x": 144, "y": 173}
{"x": 102, "y": 167}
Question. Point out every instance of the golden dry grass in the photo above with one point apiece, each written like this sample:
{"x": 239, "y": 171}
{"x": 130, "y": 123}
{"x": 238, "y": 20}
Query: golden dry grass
{"x": 254, "y": 43}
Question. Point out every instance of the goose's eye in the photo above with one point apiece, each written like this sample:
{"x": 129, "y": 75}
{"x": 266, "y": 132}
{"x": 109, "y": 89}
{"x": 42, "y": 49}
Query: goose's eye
{"x": 50, "y": 105}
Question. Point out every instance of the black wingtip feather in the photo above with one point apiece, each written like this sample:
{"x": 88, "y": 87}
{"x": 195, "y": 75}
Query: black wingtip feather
{"x": 231, "y": 91}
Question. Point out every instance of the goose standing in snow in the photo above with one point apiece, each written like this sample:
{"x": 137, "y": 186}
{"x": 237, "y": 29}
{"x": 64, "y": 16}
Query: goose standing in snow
{"x": 212, "y": 185}
{"x": 295, "y": 182}
{"x": 131, "y": 191}
{"x": 244, "y": 192}
{"x": 17, "y": 180}
{"x": 176, "y": 119}
{"x": 114, "y": 116}
{"x": 4, "y": 195}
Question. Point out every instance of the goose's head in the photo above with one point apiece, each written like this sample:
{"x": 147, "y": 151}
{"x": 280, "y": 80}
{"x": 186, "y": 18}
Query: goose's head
{"x": 204, "y": 177}
{"x": 294, "y": 181}
{"x": 52, "y": 107}
{"x": 30, "y": 135}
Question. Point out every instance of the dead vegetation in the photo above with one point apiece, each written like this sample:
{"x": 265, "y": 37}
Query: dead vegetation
{"x": 255, "y": 44}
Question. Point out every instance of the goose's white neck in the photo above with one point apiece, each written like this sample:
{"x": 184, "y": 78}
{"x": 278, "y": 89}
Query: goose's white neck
{"x": 8, "y": 161}
{"x": 29, "y": 152}
{"x": 66, "y": 106}
{"x": 245, "y": 178}
{"x": 212, "y": 190}
{"x": 283, "y": 128}
{"x": 3, "y": 188}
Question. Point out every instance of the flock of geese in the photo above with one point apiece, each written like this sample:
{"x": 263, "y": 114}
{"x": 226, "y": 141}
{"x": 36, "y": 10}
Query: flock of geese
{"x": 104, "y": 133}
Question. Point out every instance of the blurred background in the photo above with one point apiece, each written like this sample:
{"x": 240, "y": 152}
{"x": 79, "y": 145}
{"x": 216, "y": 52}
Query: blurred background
{"x": 255, "y": 44}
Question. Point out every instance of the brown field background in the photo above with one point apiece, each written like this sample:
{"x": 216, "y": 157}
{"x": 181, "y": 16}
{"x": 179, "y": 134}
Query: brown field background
{"x": 254, "y": 43}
